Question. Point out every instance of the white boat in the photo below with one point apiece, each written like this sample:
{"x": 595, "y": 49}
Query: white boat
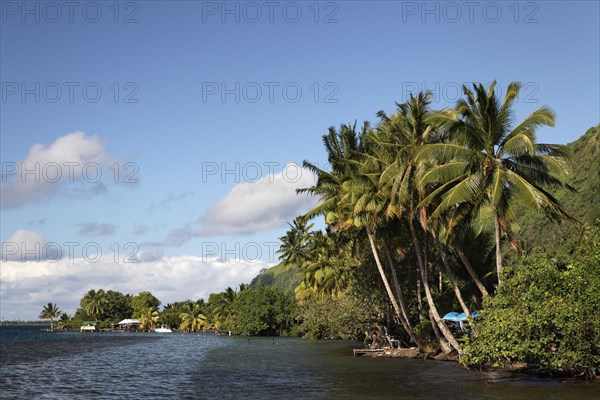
{"x": 162, "y": 329}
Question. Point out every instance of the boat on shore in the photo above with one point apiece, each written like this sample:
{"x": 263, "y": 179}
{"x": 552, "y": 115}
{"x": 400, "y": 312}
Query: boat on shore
{"x": 162, "y": 329}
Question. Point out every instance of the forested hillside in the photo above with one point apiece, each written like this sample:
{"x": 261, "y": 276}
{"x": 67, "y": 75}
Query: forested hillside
{"x": 280, "y": 277}
{"x": 584, "y": 204}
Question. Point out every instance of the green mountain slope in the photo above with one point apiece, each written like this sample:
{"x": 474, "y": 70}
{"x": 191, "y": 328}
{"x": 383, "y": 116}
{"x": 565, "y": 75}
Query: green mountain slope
{"x": 279, "y": 277}
{"x": 559, "y": 239}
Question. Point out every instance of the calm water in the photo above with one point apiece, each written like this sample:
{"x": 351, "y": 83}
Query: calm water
{"x": 191, "y": 366}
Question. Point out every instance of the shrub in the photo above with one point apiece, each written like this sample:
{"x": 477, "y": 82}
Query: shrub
{"x": 545, "y": 315}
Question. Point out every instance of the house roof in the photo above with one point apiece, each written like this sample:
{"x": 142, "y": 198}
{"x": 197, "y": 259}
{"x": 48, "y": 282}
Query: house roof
{"x": 129, "y": 322}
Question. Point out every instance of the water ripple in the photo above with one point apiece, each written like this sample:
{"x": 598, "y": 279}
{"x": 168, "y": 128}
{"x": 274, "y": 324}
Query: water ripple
{"x": 192, "y": 366}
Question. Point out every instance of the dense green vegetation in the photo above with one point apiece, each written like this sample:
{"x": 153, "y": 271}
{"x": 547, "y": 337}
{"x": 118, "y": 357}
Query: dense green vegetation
{"x": 260, "y": 311}
{"x": 264, "y": 311}
{"x": 439, "y": 203}
{"x": 545, "y": 315}
{"x": 562, "y": 240}
{"x": 429, "y": 212}
{"x": 283, "y": 277}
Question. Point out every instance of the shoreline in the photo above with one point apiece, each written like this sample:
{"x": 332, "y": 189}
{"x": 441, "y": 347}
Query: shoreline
{"x": 406, "y": 353}
{"x": 413, "y": 353}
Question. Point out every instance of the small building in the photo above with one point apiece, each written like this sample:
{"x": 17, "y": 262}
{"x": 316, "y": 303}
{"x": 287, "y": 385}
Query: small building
{"x": 129, "y": 325}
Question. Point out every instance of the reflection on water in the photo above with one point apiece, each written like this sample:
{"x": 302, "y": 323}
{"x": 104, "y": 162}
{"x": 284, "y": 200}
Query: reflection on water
{"x": 192, "y": 366}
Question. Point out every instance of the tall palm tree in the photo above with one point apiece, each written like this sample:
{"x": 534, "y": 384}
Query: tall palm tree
{"x": 406, "y": 132}
{"x": 347, "y": 196}
{"x": 50, "y": 311}
{"x": 366, "y": 199}
{"x": 489, "y": 161}
{"x": 94, "y": 303}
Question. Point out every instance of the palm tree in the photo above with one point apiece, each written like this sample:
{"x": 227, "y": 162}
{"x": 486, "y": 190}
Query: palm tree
{"x": 193, "y": 319}
{"x": 63, "y": 322}
{"x": 222, "y": 307}
{"x": 243, "y": 286}
{"x": 293, "y": 243}
{"x": 350, "y": 200}
{"x": 491, "y": 162}
{"x": 326, "y": 265}
{"x": 50, "y": 311}
{"x": 406, "y": 132}
{"x": 148, "y": 319}
{"x": 366, "y": 199}
{"x": 94, "y": 303}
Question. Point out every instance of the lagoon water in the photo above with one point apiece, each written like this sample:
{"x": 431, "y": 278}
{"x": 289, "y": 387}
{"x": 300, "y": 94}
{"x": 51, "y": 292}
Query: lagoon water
{"x": 39, "y": 365}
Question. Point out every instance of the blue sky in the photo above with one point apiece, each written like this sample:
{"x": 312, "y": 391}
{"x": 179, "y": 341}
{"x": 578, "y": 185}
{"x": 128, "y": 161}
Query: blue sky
{"x": 203, "y": 104}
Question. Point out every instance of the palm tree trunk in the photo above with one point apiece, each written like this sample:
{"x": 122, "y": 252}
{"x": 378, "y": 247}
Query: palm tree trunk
{"x": 419, "y": 298}
{"x": 498, "y": 245}
{"x": 404, "y": 316}
{"x": 451, "y": 276}
{"x": 433, "y": 309}
{"x": 382, "y": 273}
{"x": 471, "y": 271}
{"x": 438, "y": 335}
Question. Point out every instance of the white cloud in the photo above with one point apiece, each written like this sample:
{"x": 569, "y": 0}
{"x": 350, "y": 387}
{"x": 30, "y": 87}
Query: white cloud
{"x": 48, "y": 169}
{"x": 26, "y": 245}
{"x": 250, "y": 207}
{"x": 259, "y": 206}
{"x": 26, "y": 287}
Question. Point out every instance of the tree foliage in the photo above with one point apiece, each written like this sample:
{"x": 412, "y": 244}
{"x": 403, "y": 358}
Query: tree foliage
{"x": 342, "y": 317}
{"x": 51, "y": 311}
{"x": 545, "y": 315}
{"x": 262, "y": 312}
{"x": 142, "y": 302}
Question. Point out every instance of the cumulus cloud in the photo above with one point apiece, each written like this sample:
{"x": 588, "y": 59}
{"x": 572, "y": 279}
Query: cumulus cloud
{"x": 26, "y": 245}
{"x": 25, "y": 287}
{"x": 259, "y": 206}
{"x": 249, "y": 207}
{"x": 94, "y": 228}
{"x": 49, "y": 169}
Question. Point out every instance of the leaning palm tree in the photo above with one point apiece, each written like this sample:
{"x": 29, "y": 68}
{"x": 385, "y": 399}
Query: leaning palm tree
{"x": 489, "y": 161}
{"x": 406, "y": 132}
{"x": 50, "y": 311}
{"x": 63, "y": 322}
{"x": 348, "y": 197}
